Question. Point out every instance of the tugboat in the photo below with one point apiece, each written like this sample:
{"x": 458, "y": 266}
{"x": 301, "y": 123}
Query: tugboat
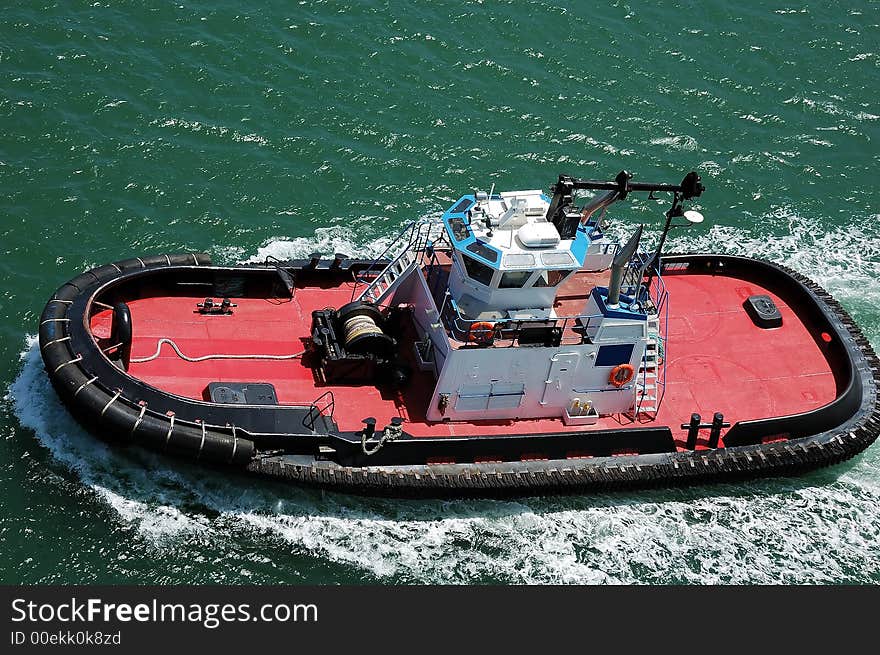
{"x": 508, "y": 347}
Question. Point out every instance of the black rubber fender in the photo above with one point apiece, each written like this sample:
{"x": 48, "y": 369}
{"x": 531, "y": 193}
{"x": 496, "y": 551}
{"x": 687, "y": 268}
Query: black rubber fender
{"x": 156, "y": 260}
{"x": 51, "y": 328}
{"x": 70, "y": 379}
{"x": 191, "y": 259}
{"x": 105, "y": 273}
{"x": 183, "y": 439}
{"x": 66, "y": 292}
{"x": 92, "y": 399}
{"x": 134, "y": 263}
{"x": 108, "y": 411}
{"x": 55, "y": 354}
{"x": 53, "y": 310}
{"x": 179, "y": 259}
{"x": 112, "y": 414}
{"x": 83, "y": 280}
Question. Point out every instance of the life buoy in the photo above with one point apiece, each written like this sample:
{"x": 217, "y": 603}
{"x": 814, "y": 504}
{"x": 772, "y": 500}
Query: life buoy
{"x": 481, "y": 332}
{"x": 621, "y": 374}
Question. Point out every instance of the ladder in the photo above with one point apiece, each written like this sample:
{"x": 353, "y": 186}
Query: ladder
{"x": 400, "y": 258}
{"x": 647, "y": 388}
{"x": 634, "y": 274}
{"x": 651, "y": 377}
{"x": 389, "y": 278}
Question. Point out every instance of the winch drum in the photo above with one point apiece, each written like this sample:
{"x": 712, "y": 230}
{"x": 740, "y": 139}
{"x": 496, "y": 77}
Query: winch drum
{"x": 362, "y": 332}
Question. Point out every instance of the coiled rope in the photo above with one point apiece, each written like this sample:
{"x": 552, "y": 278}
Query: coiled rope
{"x": 141, "y": 360}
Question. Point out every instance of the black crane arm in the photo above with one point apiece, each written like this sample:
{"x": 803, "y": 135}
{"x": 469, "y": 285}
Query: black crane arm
{"x": 563, "y": 195}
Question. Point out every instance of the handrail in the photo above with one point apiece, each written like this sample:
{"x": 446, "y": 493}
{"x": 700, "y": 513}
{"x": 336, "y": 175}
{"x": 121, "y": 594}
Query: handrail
{"x": 362, "y": 277}
{"x": 415, "y": 235}
{"x": 459, "y": 325}
{"x": 277, "y": 264}
{"x": 661, "y": 311}
{"x": 315, "y": 412}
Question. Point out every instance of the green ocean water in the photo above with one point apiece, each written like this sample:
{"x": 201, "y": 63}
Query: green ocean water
{"x": 130, "y": 128}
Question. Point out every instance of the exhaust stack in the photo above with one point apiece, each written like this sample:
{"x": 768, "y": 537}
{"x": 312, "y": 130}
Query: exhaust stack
{"x": 597, "y": 203}
{"x": 618, "y": 266}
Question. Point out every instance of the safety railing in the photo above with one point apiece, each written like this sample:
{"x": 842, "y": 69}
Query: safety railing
{"x": 609, "y": 248}
{"x": 574, "y": 329}
{"x": 285, "y": 273}
{"x": 658, "y": 296}
{"x": 414, "y": 238}
{"x": 663, "y": 341}
{"x": 509, "y": 332}
{"x": 323, "y": 405}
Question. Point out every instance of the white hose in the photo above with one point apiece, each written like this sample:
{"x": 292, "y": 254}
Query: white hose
{"x": 203, "y": 358}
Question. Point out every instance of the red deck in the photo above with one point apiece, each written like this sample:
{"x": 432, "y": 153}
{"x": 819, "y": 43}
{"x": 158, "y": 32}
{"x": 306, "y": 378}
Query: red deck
{"x": 716, "y": 358}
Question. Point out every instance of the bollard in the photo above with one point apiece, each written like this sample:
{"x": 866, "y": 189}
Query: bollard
{"x": 369, "y": 427}
{"x": 693, "y": 430}
{"x": 715, "y": 431}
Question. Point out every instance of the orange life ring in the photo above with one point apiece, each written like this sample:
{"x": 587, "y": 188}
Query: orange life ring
{"x": 481, "y": 332}
{"x": 622, "y": 374}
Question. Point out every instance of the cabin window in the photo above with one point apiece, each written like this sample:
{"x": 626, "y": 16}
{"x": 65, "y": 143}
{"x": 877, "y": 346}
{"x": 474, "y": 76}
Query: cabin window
{"x": 614, "y": 355}
{"x": 629, "y": 332}
{"x": 550, "y": 278}
{"x": 462, "y": 205}
{"x": 519, "y": 260}
{"x": 459, "y": 229}
{"x": 477, "y": 271}
{"x": 486, "y": 252}
{"x": 556, "y": 259}
{"x": 514, "y": 279}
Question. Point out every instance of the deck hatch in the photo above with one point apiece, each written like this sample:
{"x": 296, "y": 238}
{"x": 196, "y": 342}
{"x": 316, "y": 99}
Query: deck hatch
{"x": 241, "y": 393}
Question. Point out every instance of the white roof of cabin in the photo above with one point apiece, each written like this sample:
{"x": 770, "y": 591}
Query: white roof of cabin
{"x": 520, "y": 231}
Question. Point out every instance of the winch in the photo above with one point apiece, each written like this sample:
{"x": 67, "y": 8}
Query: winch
{"x": 357, "y": 343}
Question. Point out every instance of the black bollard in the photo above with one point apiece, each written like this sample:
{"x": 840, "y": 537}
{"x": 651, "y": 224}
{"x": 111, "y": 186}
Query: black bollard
{"x": 120, "y": 333}
{"x": 715, "y": 431}
{"x": 369, "y": 427}
{"x": 693, "y": 431}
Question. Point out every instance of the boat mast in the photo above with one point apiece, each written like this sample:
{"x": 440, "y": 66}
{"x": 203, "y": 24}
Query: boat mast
{"x": 563, "y": 197}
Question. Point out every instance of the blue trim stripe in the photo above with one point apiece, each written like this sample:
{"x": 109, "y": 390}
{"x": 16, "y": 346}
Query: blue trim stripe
{"x": 580, "y": 244}
{"x": 459, "y": 210}
{"x": 460, "y": 207}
